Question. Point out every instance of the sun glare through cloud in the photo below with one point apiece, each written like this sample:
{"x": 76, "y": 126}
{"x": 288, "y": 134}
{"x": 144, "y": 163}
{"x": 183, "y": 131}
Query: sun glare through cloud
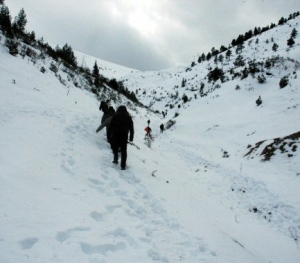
{"x": 141, "y": 21}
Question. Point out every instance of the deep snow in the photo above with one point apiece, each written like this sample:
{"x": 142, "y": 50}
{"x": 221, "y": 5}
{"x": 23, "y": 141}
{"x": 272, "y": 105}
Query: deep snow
{"x": 182, "y": 200}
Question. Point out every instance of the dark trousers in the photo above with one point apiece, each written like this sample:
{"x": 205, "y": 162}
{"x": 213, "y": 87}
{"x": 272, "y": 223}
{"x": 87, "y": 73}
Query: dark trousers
{"x": 120, "y": 142}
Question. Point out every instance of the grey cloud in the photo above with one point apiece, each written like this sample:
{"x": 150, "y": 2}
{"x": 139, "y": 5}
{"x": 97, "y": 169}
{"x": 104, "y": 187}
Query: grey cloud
{"x": 183, "y": 29}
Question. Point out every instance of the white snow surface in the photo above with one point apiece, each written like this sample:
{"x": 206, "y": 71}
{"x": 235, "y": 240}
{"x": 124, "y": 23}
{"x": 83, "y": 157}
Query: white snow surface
{"x": 63, "y": 200}
{"x": 108, "y": 69}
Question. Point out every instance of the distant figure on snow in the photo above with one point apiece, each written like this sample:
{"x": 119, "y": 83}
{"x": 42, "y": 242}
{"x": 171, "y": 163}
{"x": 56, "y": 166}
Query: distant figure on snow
{"x": 162, "y": 127}
{"x": 148, "y": 131}
{"x": 121, "y": 124}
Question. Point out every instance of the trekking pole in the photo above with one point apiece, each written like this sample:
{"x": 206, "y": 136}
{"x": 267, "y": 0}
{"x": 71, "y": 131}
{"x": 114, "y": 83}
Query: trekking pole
{"x": 131, "y": 143}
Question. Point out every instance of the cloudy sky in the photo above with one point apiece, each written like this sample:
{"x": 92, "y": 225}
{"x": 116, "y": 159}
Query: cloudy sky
{"x": 148, "y": 34}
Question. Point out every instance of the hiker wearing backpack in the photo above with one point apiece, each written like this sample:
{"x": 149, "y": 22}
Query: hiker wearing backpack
{"x": 148, "y": 136}
{"x": 148, "y": 131}
{"x": 104, "y": 107}
{"x": 106, "y": 123}
{"x": 121, "y": 124}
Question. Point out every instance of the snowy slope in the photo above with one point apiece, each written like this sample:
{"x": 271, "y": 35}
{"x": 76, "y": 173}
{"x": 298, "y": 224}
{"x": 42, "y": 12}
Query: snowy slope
{"x": 107, "y": 69}
{"x": 162, "y": 88}
{"x": 191, "y": 197}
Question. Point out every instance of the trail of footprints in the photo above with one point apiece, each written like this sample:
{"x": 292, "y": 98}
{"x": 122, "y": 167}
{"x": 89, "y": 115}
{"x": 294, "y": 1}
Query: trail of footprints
{"x": 157, "y": 232}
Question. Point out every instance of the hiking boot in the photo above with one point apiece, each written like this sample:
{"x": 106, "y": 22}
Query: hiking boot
{"x": 123, "y": 168}
{"x": 115, "y": 161}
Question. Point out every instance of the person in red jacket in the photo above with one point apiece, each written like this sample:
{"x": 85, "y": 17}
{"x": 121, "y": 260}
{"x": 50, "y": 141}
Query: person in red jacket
{"x": 121, "y": 125}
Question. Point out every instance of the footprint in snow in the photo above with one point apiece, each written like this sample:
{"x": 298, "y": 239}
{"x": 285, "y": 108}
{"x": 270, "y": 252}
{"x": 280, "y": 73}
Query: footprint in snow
{"x": 98, "y": 216}
{"x": 64, "y": 235}
{"x": 101, "y": 249}
{"x": 28, "y": 243}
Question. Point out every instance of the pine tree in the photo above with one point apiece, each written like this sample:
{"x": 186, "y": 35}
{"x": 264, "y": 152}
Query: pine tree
{"x": 12, "y": 46}
{"x": 256, "y": 31}
{"x": 284, "y": 82}
{"x": 221, "y": 58}
{"x": 239, "y": 61}
{"x": 5, "y": 21}
{"x": 261, "y": 79}
{"x": 253, "y": 68}
{"x": 1, "y": 2}
{"x": 216, "y": 59}
{"x": 20, "y": 22}
{"x": 214, "y": 52}
{"x": 67, "y": 54}
{"x": 228, "y": 54}
{"x": 95, "y": 71}
{"x": 248, "y": 35}
{"x": 290, "y": 42}
{"x": 240, "y": 40}
{"x": 215, "y": 75}
{"x": 202, "y": 85}
{"x": 239, "y": 48}
{"x": 208, "y": 56}
{"x": 275, "y": 47}
{"x": 294, "y": 33}
{"x": 268, "y": 63}
{"x": 245, "y": 73}
{"x": 30, "y": 37}
{"x": 282, "y": 21}
{"x": 185, "y": 98}
{"x": 222, "y": 48}
{"x": 96, "y": 75}
{"x": 233, "y": 42}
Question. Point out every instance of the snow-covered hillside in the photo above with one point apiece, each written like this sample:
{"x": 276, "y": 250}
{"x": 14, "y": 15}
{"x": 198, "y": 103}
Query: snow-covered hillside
{"x": 163, "y": 90}
{"x": 107, "y": 69}
{"x": 194, "y": 196}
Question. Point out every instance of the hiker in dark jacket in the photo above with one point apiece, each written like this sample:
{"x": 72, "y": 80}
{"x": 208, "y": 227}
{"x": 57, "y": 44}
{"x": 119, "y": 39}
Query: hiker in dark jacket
{"x": 121, "y": 124}
{"x": 106, "y": 123}
{"x": 104, "y": 107}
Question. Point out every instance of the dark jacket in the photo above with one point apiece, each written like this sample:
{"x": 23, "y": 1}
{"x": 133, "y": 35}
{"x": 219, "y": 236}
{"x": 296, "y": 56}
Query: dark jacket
{"x": 103, "y": 106}
{"x": 121, "y": 124}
